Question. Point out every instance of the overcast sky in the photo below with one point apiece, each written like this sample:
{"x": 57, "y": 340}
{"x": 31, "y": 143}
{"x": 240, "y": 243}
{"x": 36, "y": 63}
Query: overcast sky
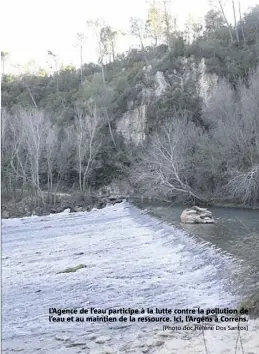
{"x": 30, "y": 28}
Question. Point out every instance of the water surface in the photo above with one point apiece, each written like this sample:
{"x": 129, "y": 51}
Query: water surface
{"x": 133, "y": 260}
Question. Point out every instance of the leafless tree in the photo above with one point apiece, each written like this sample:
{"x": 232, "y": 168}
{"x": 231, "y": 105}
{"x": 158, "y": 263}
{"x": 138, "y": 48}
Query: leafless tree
{"x": 226, "y": 20}
{"x": 96, "y": 27}
{"x": 55, "y": 60}
{"x": 165, "y": 168}
{"x": 80, "y": 42}
{"x": 52, "y": 156}
{"x": 235, "y": 21}
{"x": 244, "y": 185}
{"x": 4, "y": 56}
{"x": 35, "y": 131}
{"x": 234, "y": 136}
{"x": 87, "y": 129}
{"x": 241, "y": 22}
{"x": 167, "y": 23}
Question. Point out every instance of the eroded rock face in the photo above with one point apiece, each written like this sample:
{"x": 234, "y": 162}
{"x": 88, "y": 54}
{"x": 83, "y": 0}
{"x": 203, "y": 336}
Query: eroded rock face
{"x": 132, "y": 125}
{"x": 196, "y": 215}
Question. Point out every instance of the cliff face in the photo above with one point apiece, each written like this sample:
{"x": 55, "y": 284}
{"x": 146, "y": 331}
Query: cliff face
{"x": 207, "y": 82}
{"x": 133, "y": 123}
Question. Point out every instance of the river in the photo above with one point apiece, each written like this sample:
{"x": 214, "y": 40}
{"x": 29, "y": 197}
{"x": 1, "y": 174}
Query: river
{"x": 132, "y": 259}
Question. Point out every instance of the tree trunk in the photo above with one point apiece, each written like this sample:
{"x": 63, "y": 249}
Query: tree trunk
{"x": 241, "y": 22}
{"x": 109, "y": 124}
{"x": 81, "y": 64}
{"x": 225, "y": 19}
{"x": 113, "y": 52}
{"x": 32, "y": 98}
{"x": 235, "y": 21}
{"x": 167, "y": 26}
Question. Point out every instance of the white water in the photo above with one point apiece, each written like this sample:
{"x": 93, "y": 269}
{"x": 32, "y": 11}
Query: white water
{"x": 133, "y": 260}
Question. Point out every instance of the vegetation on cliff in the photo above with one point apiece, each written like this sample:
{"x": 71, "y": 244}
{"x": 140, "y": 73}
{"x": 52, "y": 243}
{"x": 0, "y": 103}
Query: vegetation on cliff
{"x": 59, "y": 130}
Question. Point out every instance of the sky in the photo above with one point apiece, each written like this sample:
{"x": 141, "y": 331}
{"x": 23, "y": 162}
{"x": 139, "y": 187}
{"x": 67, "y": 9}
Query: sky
{"x": 29, "y": 28}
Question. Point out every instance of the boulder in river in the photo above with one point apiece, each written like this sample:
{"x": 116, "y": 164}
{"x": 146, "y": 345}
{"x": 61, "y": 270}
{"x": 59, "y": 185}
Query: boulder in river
{"x": 196, "y": 215}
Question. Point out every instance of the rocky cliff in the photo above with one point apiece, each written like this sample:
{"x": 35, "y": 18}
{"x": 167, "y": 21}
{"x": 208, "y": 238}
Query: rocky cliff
{"x": 132, "y": 125}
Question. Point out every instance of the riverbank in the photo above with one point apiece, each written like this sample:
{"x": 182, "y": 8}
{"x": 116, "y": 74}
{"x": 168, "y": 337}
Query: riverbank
{"x": 184, "y": 203}
{"x": 75, "y": 202}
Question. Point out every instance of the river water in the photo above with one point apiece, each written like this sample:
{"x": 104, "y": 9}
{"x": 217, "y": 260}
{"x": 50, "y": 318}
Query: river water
{"x": 132, "y": 259}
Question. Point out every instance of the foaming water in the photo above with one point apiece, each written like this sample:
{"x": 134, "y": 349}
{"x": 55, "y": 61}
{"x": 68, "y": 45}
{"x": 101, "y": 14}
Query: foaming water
{"x": 133, "y": 260}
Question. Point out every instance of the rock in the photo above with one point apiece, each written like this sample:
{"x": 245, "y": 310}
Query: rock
{"x": 5, "y": 215}
{"x": 66, "y": 211}
{"x": 119, "y": 200}
{"x": 37, "y": 291}
{"x": 102, "y": 339}
{"x": 61, "y": 337}
{"x": 145, "y": 350}
{"x": 78, "y": 209}
{"x": 73, "y": 269}
{"x": 158, "y": 342}
{"x": 149, "y": 342}
{"x": 196, "y": 215}
{"x": 165, "y": 334}
{"x": 112, "y": 198}
{"x": 79, "y": 254}
{"x": 160, "y": 83}
{"x": 76, "y": 344}
{"x": 92, "y": 336}
{"x": 101, "y": 204}
{"x": 149, "y": 68}
{"x": 138, "y": 343}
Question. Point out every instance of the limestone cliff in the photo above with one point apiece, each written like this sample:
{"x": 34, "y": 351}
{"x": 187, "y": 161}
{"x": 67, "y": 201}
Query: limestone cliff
{"x": 132, "y": 125}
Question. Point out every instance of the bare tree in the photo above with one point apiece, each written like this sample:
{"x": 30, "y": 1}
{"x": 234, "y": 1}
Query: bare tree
{"x": 244, "y": 185}
{"x": 168, "y": 23}
{"x": 235, "y": 21}
{"x": 154, "y": 23}
{"x": 35, "y": 129}
{"x": 108, "y": 38}
{"x": 226, "y": 20}
{"x": 54, "y": 58}
{"x": 14, "y": 156}
{"x": 52, "y": 157}
{"x": 96, "y": 26}
{"x": 138, "y": 29}
{"x": 241, "y": 22}
{"x": 87, "y": 129}
{"x": 4, "y": 56}
{"x": 164, "y": 168}
{"x": 234, "y": 136}
{"x": 80, "y": 42}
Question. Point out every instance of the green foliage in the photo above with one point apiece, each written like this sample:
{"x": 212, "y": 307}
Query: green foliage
{"x": 232, "y": 61}
{"x": 118, "y": 86}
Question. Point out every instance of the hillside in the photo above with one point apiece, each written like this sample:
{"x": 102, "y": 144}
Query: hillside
{"x": 175, "y": 120}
